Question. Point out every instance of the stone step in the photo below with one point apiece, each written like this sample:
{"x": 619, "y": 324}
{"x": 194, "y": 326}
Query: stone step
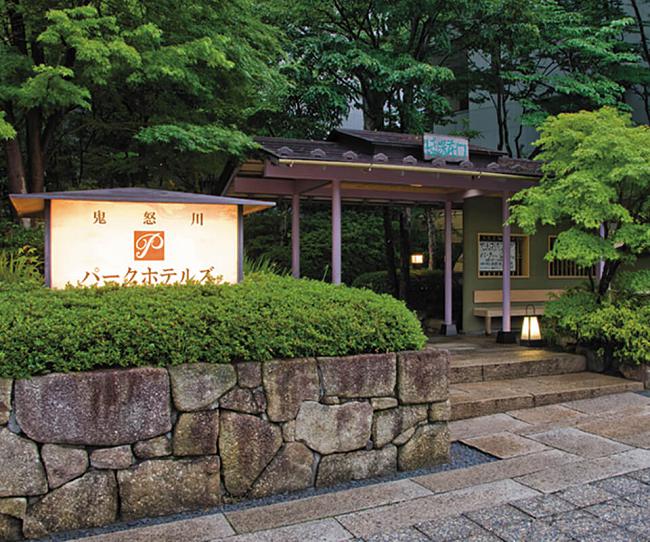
{"x": 509, "y": 364}
{"x": 472, "y": 399}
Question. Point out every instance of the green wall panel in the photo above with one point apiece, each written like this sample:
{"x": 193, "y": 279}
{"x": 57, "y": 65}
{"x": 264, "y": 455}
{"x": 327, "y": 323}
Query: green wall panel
{"x": 483, "y": 215}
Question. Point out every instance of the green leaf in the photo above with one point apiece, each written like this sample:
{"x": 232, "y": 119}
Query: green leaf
{"x": 53, "y": 87}
{"x": 7, "y": 131}
{"x": 197, "y": 138}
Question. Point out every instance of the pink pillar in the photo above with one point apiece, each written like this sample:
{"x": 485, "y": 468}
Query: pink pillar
{"x": 505, "y": 212}
{"x": 448, "y": 269}
{"x": 448, "y": 328}
{"x": 336, "y": 232}
{"x": 295, "y": 236}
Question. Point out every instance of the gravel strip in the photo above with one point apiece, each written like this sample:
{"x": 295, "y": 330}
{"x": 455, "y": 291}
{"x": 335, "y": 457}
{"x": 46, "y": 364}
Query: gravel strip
{"x": 461, "y": 457}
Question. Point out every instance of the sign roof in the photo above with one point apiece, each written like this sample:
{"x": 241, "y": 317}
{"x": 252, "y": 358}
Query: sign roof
{"x": 34, "y": 204}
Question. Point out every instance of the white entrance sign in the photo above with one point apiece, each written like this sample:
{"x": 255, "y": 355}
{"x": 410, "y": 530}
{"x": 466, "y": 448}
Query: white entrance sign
{"x": 490, "y": 256}
{"x": 130, "y": 236}
{"x": 97, "y": 243}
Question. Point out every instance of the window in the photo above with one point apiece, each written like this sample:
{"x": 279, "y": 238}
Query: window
{"x": 490, "y": 255}
{"x": 566, "y": 269}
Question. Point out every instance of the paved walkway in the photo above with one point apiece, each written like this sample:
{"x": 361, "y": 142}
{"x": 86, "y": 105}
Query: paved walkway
{"x": 573, "y": 471}
{"x": 487, "y": 377}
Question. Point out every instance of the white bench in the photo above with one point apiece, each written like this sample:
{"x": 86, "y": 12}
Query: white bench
{"x": 530, "y": 297}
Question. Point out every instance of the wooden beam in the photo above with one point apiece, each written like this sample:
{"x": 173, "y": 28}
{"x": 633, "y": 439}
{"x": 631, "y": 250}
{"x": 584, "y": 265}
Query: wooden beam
{"x": 459, "y": 182}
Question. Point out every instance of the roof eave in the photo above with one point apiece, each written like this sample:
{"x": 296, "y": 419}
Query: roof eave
{"x": 421, "y": 169}
{"x": 33, "y": 205}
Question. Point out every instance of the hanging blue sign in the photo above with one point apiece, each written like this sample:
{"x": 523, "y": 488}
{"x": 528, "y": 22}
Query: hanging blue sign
{"x": 452, "y": 148}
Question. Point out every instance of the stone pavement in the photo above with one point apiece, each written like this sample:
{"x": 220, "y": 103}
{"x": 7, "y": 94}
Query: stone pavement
{"x": 573, "y": 471}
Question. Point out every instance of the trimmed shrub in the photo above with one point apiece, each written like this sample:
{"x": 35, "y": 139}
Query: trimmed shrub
{"x": 620, "y": 331}
{"x": 264, "y": 317}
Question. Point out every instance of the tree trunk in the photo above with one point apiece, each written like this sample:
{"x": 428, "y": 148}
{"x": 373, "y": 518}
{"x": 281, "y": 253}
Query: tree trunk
{"x": 373, "y": 110}
{"x": 496, "y": 59}
{"x": 642, "y": 35}
{"x": 431, "y": 237}
{"x": 17, "y": 184}
{"x": 506, "y": 128}
{"x": 609, "y": 270}
{"x": 389, "y": 248}
{"x": 406, "y": 111}
{"x": 15, "y": 168}
{"x": 500, "y": 143}
{"x": 17, "y": 37}
{"x": 643, "y": 40}
{"x": 404, "y": 252}
{"x": 645, "y": 96}
{"x": 35, "y": 151}
{"x": 518, "y": 145}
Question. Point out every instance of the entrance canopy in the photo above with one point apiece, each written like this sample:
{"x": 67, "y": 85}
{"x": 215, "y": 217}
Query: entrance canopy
{"x": 374, "y": 167}
{"x": 383, "y": 167}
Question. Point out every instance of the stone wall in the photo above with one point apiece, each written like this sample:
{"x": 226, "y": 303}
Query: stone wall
{"x": 88, "y": 449}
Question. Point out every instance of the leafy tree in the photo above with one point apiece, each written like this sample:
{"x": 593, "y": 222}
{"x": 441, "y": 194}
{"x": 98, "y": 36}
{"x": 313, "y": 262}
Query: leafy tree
{"x": 596, "y": 173}
{"x": 596, "y": 12}
{"x": 545, "y": 57}
{"x": 314, "y": 102}
{"x": 137, "y": 90}
{"x": 637, "y": 76}
{"x": 388, "y": 58}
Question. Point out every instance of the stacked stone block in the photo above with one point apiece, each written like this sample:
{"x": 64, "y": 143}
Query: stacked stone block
{"x": 88, "y": 449}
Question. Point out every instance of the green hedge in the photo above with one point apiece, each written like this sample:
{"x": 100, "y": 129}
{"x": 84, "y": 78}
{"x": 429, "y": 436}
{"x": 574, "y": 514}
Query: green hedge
{"x": 264, "y": 317}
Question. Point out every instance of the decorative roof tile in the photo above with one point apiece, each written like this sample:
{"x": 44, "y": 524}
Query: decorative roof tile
{"x": 285, "y": 151}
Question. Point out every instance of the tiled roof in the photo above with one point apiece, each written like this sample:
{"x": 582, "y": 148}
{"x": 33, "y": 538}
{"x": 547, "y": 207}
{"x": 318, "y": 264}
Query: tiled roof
{"x": 399, "y": 139}
{"x": 364, "y": 146}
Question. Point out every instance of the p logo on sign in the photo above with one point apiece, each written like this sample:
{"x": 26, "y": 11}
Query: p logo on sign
{"x": 149, "y": 245}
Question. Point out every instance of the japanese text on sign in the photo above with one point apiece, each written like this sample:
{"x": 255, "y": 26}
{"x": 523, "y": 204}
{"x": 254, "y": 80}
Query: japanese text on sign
{"x": 490, "y": 255}
{"x": 449, "y": 147}
{"x": 168, "y": 275}
{"x": 128, "y": 243}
